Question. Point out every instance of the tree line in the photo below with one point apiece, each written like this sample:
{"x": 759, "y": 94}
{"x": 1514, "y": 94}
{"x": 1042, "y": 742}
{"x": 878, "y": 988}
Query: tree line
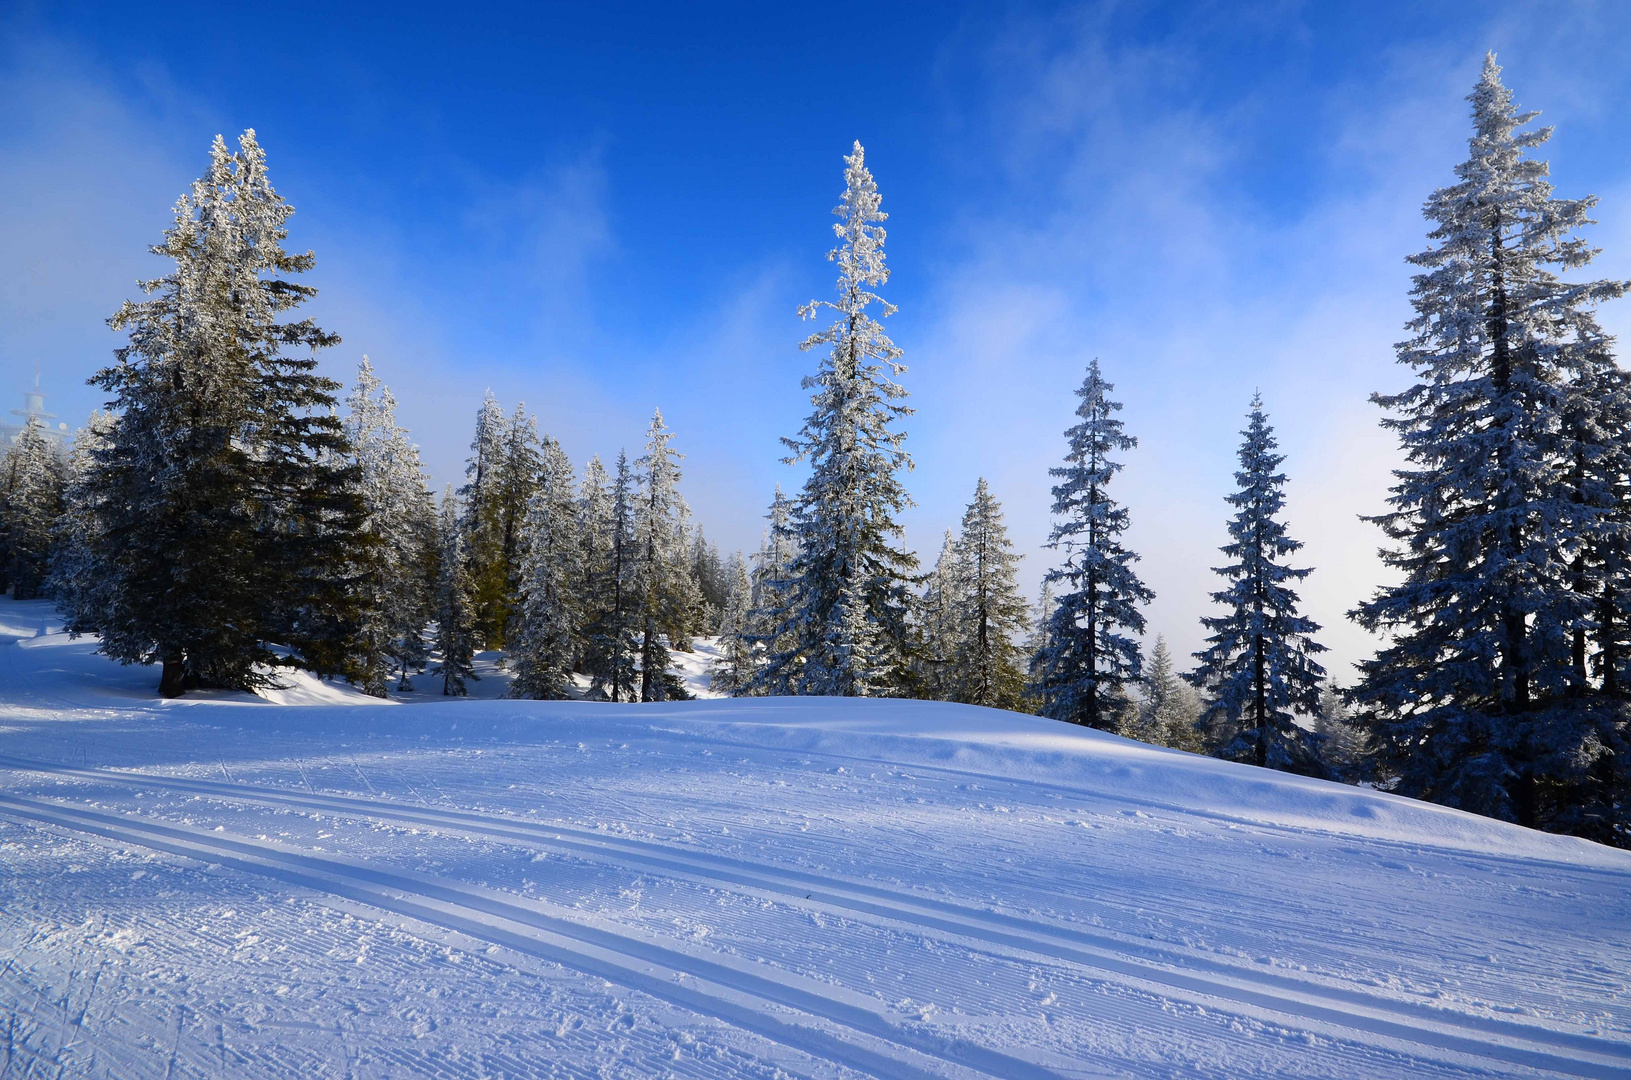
{"x": 222, "y": 519}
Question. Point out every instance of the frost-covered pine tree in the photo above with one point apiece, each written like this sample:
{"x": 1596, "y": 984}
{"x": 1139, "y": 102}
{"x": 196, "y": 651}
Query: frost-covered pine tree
{"x": 665, "y": 589}
{"x": 395, "y": 601}
{"x": 1258, "y": 664}
{"x": 1089, "y": 657}
{"x": 1170, "y": 709}
{"x": 518, "y": 477}
{"x": 991, "y": 612}
{"x": 732, "y": 670}
{"x": 1037, "y": 640}
{"x": 76, "y": 581}
{"x": 594, "y": 546}
{"x": 612, "y": 636}
{"x": 455, "y": 609}
{"x": 1595, "y": 800}
{"x": 544, "y": 631}
{"x": 1476, "y": 701}
{"x": 1344, "y": 745}
{"x": 32, "y": 479}
{"x": 483, "y": 498}
{"x": 713, "y": 584}
{"x": 415, "y": 541}
{"x": 844, "y": 622}
{"x": 940, "y": 623}
{"x": 228, "y": 512}
{"x": 771, "y": 574}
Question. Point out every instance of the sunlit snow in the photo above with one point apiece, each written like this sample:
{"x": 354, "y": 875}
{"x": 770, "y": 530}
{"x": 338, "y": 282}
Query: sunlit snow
{"x": 333, "y": 886}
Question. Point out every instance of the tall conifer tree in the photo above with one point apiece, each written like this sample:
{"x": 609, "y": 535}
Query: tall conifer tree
{"x": 1089, "y": 656}
{"x": 395, "y": 600}
{"x": 712, "y": 582}
{"x": 594, "y": 544}
{"x": 991, "y": 612}
{"x": 1170, "y": 709}
{"x": 485, "y": 512}
{"x": 32, "y": 480}
{"x": 455, "y": 609}
{"x": 940, "y": 623}
{"x": 768, "y": 632}
{"x": 78, "y": 582}
{"x": 1258, "y": 663}
{"x": 732, "y": 670}
{"x": 613, "y": 635}
{"x": 518, "y": 479}
{"x": 544, "y": 633}
{"x": 842, "y": 629}
{"x": 666, "y": 591}
{"x": 227, "y": 507}
{"x": 1478, "y": 700}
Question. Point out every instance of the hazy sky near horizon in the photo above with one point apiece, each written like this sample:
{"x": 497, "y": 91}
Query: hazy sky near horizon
{"x": 603, "y": 209}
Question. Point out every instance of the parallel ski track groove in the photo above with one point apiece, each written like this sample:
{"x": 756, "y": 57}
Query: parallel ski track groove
{"x": 628, "y": 966}
{"x": 994, "y": 928}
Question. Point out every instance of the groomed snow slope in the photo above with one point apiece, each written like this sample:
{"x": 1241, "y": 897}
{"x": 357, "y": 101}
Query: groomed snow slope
{"x": 225, "y": 887}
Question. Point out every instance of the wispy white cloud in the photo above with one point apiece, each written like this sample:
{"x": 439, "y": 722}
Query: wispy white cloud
{"x": 86, "y": 179}
{"x": 1131, "y": 234}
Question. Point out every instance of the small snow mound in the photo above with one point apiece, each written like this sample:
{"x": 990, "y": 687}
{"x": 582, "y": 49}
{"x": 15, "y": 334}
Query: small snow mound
{"x": 304, "y": 688}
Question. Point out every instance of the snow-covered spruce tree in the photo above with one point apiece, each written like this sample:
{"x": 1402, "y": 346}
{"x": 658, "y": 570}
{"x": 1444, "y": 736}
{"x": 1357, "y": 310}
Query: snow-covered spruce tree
{"x": 309, "y": 507}
{"x": 483, "y": 499}
{"x": 991, "y": 612}
{"x": 713, "y": 584}
{"x": 594, "y": 553}
{"x": 395, "y": 601}
{"x": 1592, "y": 797}
{"x": 227, "y": 509}
{"x": 1170, "y": 708}
{"x": 455, "y": 610}
{"x": 766, "y": 631}
{"x": 1344, "y": 745}
{"x": 732, "y": 670}
{"x": 1089, "y": 657}
{"x": 544, "y": 630}
{"x": 611, "y": 636}
{"x": 845, "y": 617}
{"x": 75, "y": 579}
{"x": 32, "y": 479}
{"x": 665, "y": 588}
{"x": 1597, "y": 417}
{"x": 517, "y": 482}
{"x": 1037, "y": 640}
{"x": 417, "y": 542}
{"x": 939, "y": 623}
{"x": 1477, "y": 701}
{"x": 1258, "y": 662}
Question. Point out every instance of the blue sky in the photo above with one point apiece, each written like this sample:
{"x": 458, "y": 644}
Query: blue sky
{"x": 602, "y": 209}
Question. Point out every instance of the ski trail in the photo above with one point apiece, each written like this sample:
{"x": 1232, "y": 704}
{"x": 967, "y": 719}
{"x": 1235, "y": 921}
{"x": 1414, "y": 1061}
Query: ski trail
{"x": 750, "y": 1000}
{"x": 1212, "y": 981}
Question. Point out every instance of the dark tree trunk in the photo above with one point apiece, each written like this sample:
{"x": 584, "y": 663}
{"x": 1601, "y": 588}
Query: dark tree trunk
{"x": 646, "y": 640}
{"x": 173, "y": 679}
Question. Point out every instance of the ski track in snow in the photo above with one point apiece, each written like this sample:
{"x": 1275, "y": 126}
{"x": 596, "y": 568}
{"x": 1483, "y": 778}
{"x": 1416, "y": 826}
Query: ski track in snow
{"x": 226, "y": 887}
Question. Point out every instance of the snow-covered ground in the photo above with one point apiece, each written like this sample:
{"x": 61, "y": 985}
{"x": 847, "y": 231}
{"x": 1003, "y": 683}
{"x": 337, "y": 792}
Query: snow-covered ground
{"x": 219, "y": 886}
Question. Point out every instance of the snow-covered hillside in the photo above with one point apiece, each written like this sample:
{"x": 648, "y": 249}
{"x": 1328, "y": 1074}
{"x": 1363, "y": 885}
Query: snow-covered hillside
{"x": 219, "y": 886}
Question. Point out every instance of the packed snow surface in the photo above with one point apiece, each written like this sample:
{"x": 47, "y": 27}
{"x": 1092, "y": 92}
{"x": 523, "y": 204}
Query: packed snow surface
{"x": 326, "y": 887}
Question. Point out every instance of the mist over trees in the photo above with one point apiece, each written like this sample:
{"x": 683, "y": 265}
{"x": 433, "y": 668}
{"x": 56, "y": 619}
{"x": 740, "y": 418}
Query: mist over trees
{"x": 226, "y": 520}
